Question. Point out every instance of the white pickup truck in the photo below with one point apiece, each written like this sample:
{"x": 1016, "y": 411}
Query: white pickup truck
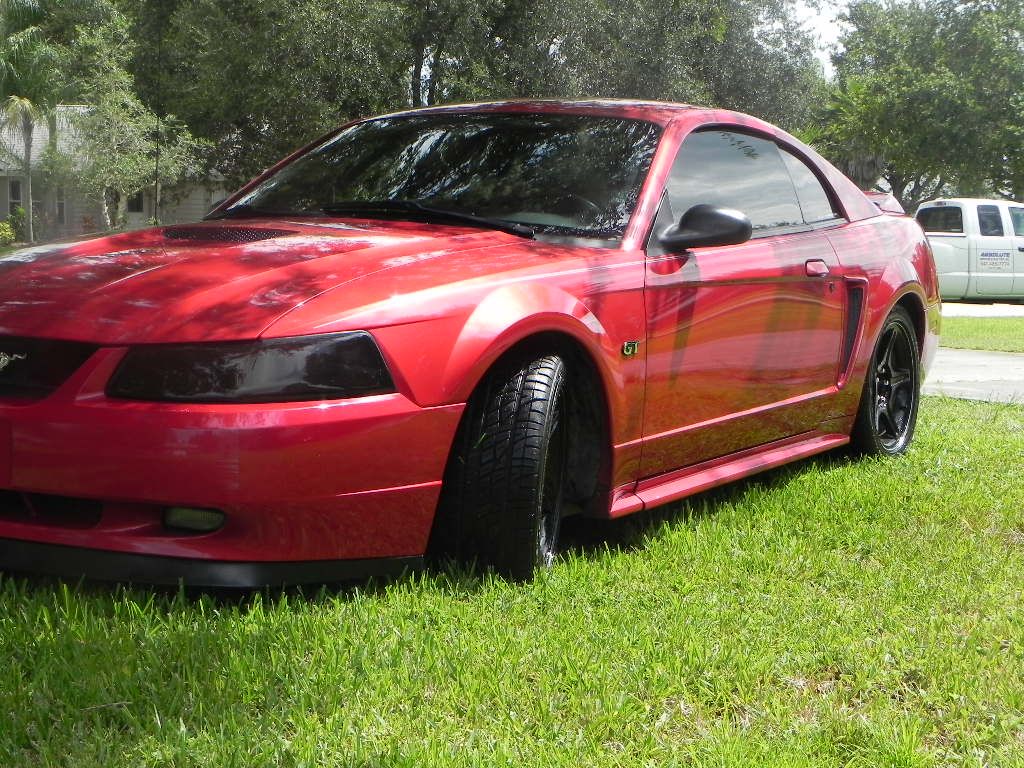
{"x": 978, "y": 247}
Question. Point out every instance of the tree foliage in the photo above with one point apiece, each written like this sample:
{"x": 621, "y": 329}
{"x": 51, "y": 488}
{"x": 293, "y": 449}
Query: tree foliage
{"x": 257, "y": 79}
{"x": 253, "y": 80}
{"x": 30, "y": 86}
{"x": 928, "y": 94}
{"x": 120, "y": 141}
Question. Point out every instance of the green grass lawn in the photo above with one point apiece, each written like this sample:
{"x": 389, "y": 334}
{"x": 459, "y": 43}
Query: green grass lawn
{"x": 838, "y": 613}
{"x": 999, "y": 334}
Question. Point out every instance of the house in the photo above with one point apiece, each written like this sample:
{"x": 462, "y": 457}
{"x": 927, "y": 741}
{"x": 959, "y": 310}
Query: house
{"x": 179, "y": 204}
{"x": 62, "y": 211}
{"x": 59, "y": 212}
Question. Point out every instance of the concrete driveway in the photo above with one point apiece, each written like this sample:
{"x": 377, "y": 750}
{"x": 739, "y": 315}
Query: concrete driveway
{"x": 953, "y": 309}
{"x": 975, "y": 375}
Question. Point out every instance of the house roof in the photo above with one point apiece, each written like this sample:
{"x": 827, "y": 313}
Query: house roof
{"x": 12, "y": 146}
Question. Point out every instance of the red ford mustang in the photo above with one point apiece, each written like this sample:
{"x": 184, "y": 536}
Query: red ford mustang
{"x": 443, "y": 331}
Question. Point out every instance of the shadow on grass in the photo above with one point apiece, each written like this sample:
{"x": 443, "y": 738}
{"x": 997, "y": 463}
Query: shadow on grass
{"x": 590, "y": 537}
{"x": 584, "y": 536}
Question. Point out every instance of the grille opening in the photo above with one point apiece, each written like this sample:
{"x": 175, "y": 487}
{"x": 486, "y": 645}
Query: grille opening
{"x": 34, "y": 368}
{"x": 10, "y": 503}
{"x": 44, "y": 509}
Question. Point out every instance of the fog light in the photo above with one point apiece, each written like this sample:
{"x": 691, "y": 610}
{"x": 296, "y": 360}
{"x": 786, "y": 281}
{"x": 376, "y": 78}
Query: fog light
{"x": 196, "y": 520}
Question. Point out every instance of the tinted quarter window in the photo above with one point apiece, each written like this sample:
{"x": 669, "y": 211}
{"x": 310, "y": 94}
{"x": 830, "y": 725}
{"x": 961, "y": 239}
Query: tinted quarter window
{"x": 733, "y": 170}
{"x": 1017, "y": 217}
{"x": 989, "y": 222}
{"x": 944, "y": 219}
{"x": 814, "y": 201}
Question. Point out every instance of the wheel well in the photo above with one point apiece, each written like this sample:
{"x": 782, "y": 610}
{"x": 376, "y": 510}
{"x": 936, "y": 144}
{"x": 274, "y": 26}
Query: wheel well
{"x": 915, "y": 308}
{"x": 589, "y": 470}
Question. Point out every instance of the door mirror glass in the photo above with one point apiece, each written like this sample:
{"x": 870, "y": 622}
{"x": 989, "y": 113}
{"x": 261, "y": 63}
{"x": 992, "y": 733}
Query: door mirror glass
{"x": 706, "y": 225}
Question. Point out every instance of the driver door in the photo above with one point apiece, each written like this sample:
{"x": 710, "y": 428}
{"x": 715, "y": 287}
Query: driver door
{"x": 743, "y": 341}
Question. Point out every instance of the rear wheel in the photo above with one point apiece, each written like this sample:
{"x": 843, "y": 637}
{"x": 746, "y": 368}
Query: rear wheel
{"x": 504, "y": 488}
{"x": 888, "y": 405}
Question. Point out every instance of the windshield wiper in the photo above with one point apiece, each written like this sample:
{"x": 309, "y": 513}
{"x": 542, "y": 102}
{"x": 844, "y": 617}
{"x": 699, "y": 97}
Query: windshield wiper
{"x": 421, "y": 211}
{"x": 250, "y": 212}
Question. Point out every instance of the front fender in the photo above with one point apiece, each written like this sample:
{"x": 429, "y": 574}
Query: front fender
{"x": 513, "y": 313}
{"x": 441, "y": 361}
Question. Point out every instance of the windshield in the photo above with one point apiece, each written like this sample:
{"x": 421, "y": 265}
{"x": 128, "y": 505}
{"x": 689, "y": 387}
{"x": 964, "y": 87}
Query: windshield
{"x": 565, "y": 174}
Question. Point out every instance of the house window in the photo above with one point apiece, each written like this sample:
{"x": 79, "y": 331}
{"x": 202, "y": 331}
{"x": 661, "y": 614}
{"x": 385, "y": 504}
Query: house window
{"x": 61, "y": 207}
{"x": 135, "y": 203}
{"x": 15, "y": 195}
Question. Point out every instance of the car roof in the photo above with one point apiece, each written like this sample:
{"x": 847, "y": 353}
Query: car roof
{"x": 660, "y": 112}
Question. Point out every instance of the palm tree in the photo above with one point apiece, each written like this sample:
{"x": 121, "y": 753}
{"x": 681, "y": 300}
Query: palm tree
{"x": 28, "y": 83}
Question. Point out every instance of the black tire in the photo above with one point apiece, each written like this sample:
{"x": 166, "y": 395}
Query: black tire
{"x": 501, "y": 504}
{"x": 887, "y": 414}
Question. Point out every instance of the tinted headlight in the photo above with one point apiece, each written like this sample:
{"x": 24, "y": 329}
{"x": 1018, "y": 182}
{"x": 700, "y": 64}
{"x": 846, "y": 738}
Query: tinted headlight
{"x": 273, "y": 370}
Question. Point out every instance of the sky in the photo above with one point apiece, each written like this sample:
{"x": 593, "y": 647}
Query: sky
{"x": 822, "y": 24}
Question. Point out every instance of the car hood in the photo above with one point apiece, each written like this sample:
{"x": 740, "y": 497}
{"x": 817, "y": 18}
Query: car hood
{"x": 212, "y": 280}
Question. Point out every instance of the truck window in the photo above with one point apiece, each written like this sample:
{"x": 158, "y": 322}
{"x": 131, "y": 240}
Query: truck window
{"x": 944, "y": 219}
{"x": 990, "y": 222}
{"x": 1017, "y": 217}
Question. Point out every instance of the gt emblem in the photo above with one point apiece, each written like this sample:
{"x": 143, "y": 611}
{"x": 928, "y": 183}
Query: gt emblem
{"x": 630, "y": 348}
{"x": 6, "y": 359}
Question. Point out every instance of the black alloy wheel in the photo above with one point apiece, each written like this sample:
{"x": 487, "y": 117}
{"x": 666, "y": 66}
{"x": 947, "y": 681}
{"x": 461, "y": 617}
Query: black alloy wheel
{"x": 892, "y": 389}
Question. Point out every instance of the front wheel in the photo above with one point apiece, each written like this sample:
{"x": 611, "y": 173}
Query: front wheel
{"x": 892, "y": 389}
{"x": 503, "y": 492}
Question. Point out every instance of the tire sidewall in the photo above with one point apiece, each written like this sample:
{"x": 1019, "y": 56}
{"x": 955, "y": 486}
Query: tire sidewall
{"x": 556, "y": 413}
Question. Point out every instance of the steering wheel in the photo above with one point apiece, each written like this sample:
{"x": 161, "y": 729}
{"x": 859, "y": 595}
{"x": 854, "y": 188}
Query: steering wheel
{"x": 581, "y": 203}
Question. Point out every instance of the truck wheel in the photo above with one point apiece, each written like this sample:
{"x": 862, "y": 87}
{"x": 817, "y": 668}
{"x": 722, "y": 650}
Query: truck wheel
{"x": 887, "y": 413}
{"x": 501, "y": 504}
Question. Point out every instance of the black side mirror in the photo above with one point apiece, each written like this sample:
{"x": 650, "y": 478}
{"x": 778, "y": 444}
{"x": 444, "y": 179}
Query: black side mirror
{"x": 705, "y": 225}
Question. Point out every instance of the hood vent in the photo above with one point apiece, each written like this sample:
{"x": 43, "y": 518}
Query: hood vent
{"x": 236, "y": 235}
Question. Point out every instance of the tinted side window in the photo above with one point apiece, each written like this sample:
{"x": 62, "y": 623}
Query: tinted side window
{"x": 814, "y": 201}
{"x": 943, "y": 219}
{"x": 1017, "y": 217}
{"x": 989, "y": 222}
{"x": 734, "y": 170}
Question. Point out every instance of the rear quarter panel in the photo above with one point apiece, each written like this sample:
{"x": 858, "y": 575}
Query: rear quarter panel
{"x": 892, "y": 256}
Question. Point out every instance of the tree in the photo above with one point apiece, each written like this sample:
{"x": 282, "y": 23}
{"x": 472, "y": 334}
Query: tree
{"x": 37, "y": 71}
{"x": 121, "y": 142}
{"x": 929, "y": 90}
{"x": 29, "y": 86}
{"x": 735, "y": 53}
{"x": 258, "y": 79}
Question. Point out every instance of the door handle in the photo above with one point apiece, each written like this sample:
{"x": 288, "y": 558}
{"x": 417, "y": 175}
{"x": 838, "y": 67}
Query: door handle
{"x": 816, "y": 268}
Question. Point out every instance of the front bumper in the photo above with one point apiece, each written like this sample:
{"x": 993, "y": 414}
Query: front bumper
{"x": 350, "y": 480}
{"x": 104, "y": 565}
